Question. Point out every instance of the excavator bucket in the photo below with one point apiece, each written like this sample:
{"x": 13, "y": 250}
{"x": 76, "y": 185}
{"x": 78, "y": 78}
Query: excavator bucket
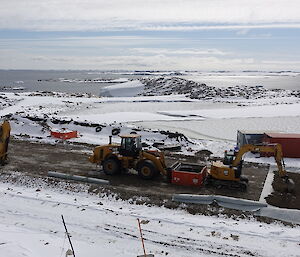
{"x": 284, "y": 185}
{"x": 290, "y": 185}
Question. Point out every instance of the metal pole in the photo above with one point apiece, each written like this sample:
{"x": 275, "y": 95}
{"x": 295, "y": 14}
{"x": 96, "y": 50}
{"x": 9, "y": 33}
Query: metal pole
{"x": 142, "y": 237}
{"x": 68, "y": 235}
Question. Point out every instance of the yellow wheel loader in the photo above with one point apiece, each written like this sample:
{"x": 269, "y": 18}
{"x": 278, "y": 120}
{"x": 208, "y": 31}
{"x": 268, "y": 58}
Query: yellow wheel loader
{"x": 4, "y": 140}
{"x": 229, "y": 172}
{"x": 116, "y": 158}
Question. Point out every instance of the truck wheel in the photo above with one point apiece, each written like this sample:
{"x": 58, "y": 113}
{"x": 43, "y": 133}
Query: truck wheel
{"x": 147, "y": 170}
{"x": 111, "y": 166}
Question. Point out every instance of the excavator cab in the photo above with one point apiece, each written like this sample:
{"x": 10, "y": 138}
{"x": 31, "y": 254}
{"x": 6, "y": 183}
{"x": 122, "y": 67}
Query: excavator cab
{"x": 130, "y": 145}
{"x": 228, "y": 157}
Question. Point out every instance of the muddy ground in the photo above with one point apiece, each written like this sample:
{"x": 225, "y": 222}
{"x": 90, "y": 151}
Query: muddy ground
{"x": 37, "y": 159}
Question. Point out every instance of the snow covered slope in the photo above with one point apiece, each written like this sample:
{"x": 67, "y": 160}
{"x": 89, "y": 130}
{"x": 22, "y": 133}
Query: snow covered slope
{"x": 30, "y": 226}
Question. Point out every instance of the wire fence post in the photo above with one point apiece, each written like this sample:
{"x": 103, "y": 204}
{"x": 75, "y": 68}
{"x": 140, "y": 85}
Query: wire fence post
{"x": 68, "y": 235}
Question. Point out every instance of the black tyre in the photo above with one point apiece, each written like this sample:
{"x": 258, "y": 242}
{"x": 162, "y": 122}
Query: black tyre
{"x": 147, "y": 170}
{"x": 98, "y": 129}
{"x": 111, "y": 166}
{"x": 115, "y": 131}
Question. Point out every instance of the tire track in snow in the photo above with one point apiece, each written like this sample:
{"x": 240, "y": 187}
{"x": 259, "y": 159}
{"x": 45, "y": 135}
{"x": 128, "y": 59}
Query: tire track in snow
{"x": 190, "y": 245}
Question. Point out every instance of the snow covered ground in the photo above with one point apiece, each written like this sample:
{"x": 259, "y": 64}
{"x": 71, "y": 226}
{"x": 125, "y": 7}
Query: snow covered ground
{"x": 30, "y": 225}
{"x": 208, "y": 123}
{"x": 30, "y": 222}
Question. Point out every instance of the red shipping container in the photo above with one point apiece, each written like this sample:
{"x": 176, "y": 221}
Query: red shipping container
{"x": 64, "y": 134}
{"x": 189, "y": 175}
{"x": 290, "y": 143}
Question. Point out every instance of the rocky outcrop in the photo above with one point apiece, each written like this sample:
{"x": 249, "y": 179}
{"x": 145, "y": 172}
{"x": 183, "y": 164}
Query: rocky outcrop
{"x": 155, "y": 86}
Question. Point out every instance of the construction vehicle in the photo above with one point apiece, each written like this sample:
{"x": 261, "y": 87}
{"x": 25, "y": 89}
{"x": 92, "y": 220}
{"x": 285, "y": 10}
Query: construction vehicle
{"x": 229, "y": 172}
{"x": 4, "y": 140}
{"x": 116, "y": 158}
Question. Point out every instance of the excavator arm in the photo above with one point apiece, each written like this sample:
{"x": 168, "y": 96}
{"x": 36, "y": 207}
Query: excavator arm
{"x": 270, "y": 148}
{"x": 276, "y": 149}
{"x": 230, "y": 169}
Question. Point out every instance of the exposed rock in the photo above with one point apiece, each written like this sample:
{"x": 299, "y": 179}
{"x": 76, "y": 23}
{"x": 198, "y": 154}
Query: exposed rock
{"x": 155, "y": 86}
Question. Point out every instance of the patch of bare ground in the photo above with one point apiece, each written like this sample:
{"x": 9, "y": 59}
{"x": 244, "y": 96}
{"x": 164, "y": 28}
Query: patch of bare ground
{"x": 36, "y": 159}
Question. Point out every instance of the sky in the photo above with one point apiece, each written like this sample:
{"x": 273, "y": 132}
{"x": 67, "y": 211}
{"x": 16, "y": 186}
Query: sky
{"x": 201, "y": 35}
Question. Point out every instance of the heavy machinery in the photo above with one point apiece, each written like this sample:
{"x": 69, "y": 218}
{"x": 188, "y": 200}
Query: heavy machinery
{"x": 229, "y": 172}
{"x": 116, "y": 158}
{"x": 4, "y": 140}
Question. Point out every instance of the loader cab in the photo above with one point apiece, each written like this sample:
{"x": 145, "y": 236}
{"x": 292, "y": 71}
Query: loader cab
{"x": 130, "y": 145}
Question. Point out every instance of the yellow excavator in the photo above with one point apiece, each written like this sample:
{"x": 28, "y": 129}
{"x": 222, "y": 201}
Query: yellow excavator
{"x": 229, "y": 172}
{"x": 116, "y": 158}
{"x": 4, "y": 140}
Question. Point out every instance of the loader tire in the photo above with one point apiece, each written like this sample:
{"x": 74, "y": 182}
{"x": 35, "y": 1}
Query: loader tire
{"x": 147, "y": 170}
{"x": 111, "y": 166}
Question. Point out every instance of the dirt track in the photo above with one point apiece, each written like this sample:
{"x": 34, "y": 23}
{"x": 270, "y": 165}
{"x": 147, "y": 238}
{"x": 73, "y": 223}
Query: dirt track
{"x": 37, "y": 159}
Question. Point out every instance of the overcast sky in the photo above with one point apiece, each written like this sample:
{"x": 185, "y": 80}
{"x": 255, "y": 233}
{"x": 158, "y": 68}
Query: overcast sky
{"x": 156, "y": 34}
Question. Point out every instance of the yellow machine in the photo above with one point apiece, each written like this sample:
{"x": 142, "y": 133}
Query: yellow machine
{"x": 129, "y": 155}
{"x": 230, "y": 170}
{"x": 4, "y": 140}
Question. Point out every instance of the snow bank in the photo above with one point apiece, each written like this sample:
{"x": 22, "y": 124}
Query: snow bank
{"x": 131, "y": 88}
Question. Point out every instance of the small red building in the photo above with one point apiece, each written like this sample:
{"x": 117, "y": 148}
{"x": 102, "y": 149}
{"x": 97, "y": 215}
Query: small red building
{"x": 290, "y": 143}
{"x": 64, "y": 134}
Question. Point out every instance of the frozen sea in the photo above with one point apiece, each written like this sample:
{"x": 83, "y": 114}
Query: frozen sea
{"x": 88, "y": 81}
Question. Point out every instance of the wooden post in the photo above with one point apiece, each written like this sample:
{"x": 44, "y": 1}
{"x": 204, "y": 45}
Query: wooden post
{"x": 68, "y": 235}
